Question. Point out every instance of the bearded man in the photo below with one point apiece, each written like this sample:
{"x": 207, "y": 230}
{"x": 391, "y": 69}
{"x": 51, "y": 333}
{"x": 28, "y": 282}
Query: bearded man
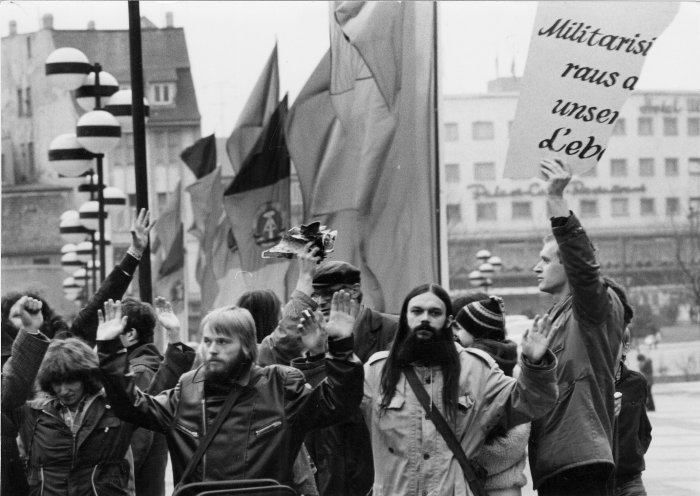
{"x": 464, "y": 384}
{"x": 273, "y": 407}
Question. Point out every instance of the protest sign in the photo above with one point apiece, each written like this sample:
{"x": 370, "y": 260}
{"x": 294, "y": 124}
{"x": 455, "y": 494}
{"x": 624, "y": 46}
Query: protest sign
{"x": 584, "y": 60}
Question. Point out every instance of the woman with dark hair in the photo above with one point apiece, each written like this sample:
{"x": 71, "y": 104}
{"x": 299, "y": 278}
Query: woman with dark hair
{"x": 266, "y": 309}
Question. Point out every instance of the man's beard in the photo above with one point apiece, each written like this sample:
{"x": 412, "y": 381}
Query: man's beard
{"x": 230, "y": 372}
{"x": 435, "y": 350}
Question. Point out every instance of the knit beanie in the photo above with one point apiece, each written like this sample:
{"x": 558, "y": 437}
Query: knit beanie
{"x": 484, "y": 319}
{"x": 332, "y": 272}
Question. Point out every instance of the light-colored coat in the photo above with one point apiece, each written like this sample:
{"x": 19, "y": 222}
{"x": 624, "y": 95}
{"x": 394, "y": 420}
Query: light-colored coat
{"x": 410, "y": 455}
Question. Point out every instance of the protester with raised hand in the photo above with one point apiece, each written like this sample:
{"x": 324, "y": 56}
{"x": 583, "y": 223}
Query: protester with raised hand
{"x": 570, "y": 450}
{"x": 271, "y": 408}
{"x": 426, "y": 382}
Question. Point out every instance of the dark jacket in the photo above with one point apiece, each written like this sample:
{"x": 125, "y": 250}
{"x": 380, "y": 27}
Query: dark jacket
{"x": 17, "y": 378}
{"x": 586, "y": 335}
{"x": 266, "y": 426}
{"x": 59, "y": 462}
{"x": 113, "y": 287}
{"x": 633, "y": 426}
{"x": 150, "y": 449}
{"x": 342, "y": 452}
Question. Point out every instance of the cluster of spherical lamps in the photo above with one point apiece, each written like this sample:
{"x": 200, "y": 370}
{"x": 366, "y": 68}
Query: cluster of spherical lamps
{"x": 488, "y": 266}
{"x": 98, "y": 130}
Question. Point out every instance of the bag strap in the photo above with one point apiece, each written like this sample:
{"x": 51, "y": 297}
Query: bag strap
{"x": 475, "y": 484}
{"x": 220, "y": 417}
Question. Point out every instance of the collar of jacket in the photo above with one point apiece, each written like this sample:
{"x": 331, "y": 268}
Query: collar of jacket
{"x": 243, "y": 379}
{"x": 624, "y": 373}
{"x": 146, "y": 353}
{"x": 373, "y": 319}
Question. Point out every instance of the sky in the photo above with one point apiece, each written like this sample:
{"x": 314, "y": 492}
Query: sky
{"x": 229, "y": 42}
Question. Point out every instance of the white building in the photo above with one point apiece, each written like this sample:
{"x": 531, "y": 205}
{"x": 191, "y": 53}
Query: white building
{"x": 636, "y": 204}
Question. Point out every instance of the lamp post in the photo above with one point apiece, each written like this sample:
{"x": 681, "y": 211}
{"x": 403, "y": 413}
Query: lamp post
{"x": 488, "y": 266}
{"x": 97, "y": 131}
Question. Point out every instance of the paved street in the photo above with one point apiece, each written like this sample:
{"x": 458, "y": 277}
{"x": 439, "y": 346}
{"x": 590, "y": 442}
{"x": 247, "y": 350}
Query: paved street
{"x": 673, "y": 460}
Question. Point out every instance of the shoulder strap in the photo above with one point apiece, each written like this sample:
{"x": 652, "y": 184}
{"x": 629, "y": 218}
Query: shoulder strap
{"x": 475, "y": 484}
{"x": 220, "y": 417}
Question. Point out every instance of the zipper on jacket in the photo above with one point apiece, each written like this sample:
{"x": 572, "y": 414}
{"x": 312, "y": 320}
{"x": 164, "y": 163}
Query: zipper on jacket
{"x": 41, "y": 471}
{"x": 268, "y": 428}
{"x": 204, "y": 434}
{"x": 75, "y": 443}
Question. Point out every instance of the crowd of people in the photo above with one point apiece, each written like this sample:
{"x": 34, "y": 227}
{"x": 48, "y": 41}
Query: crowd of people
{"x": 326, "y": 396}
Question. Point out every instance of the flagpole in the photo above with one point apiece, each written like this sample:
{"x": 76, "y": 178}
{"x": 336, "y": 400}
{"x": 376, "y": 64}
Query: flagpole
{"x": 436, "y": 120}
{"x": 140, "y": 165}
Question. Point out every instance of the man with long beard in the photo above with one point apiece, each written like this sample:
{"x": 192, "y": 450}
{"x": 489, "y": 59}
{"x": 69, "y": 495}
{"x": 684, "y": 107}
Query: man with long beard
{"x": 272, "y": 407}
{"x": 465, "y": 385}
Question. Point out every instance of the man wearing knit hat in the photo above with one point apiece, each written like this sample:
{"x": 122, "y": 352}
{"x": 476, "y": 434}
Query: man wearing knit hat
{"x": 571, "y": 449}
{"x": 503, "y": 455}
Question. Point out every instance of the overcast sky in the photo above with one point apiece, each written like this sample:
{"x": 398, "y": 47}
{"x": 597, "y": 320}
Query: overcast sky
{"x": 229, "y": 42}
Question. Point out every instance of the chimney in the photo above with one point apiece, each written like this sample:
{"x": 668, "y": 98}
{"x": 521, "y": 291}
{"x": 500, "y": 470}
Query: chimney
{"x": 169, "y": 20}
{"x": 91, "y": 25}
{"x": 48, "y": 21}
{"x": 13, "y": 28}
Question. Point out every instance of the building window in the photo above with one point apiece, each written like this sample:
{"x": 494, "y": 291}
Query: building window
{"x": 451, "y": 131}
{"x": 522, "y": 210}
{"x": 162, "y": 93}
{"x": 646, "y": 206}
{"x": 482, "y": 130}
{"x": 589, "y": 208}
{"x": 694, "y": 166}
{"x": 484, "y": 171}
{"x": 670, "y": 126}
{"x": 646, "y": 167}
{"x": 671, "y": 166}
{"x": 28, "y": 101}
{"x": 694, "y": 204}
{"x": 673, "y": 206}
{"x": 41, "y": 261}
{"x": 454, "y": 213}
{"x": 20, "y": 103}
{"x": 486, "y": 211}
{"x": 452, "y": 173}
{"x": 619, "y": 128}
{"x": 693, "y": 126}
{"x": 620, "y": 207}
{"x": 618, "y": 167}
{"x": 645, "y": 126}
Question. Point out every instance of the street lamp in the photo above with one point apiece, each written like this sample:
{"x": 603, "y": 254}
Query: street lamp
{"x": 97, "y": 131}
{"x": 488, "y": 266}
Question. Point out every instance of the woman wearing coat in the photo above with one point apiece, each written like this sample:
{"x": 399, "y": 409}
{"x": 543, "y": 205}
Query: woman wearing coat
{"x": 75, "y": 444}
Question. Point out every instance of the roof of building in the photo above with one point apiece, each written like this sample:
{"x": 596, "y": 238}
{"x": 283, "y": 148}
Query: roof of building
{"x": 165, "y": 59}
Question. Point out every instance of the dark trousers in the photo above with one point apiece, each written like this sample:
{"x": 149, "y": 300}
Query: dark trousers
{"x": 150, "y": 475}
{"x": 589, "y": 480}
{"x": 650, "y": 400}
{"x": 630, "y": 486}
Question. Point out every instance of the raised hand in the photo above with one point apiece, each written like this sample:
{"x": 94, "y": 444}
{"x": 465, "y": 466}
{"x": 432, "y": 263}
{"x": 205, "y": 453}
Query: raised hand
{"x": 140, "y": 228}
{"x": 28, "y": 309}
{"x": 167, "y": 319}
{"x": 308, "y": 261}
{"x": 557, "y": 174}
{"x": 536, "y": 340}
{"x": 343, "y": 314}
{"x": 111, "y": 324}
{"x": 313, "y": 332}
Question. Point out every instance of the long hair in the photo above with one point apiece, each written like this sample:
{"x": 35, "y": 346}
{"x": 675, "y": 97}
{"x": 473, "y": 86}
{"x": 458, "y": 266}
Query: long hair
{"x": 450, "y": 368}
{"x": 237, "y": 322}
{"x": 265, "y": 307}
{"x": 54, "y": 325}
{"x": 69, "y": 360}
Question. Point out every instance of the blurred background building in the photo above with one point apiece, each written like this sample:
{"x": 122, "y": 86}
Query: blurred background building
{"x": 33, "y": 114}
{"x": 640, "y": 203}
